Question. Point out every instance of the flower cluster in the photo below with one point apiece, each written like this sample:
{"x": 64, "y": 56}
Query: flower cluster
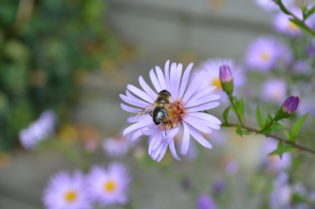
{"x": 77, "y": 191}
{"x": 39, "y": 130}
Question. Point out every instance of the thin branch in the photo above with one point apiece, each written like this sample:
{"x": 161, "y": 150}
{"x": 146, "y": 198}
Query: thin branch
{"x": 302, "y": 22}
{"x": 280, "y": 139}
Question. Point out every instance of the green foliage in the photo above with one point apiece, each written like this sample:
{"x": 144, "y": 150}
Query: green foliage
{"x": 296, "y": 128}
{"x": 43, "y": 47}
{"x": 226, "y": 115}
{"x": 259, "y": 118}
{"x": 282, "y": 148}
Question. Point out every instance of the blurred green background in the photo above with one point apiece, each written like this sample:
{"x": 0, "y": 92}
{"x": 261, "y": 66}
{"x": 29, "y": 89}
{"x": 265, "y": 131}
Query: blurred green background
{"x": 45, "y": 49}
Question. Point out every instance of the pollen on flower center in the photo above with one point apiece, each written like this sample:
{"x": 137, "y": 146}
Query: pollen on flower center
{"x": 175, "y": 115}
{"x": 265, "y": 56}
{"x": 216, "y": 82}
{"x": 110, "y": 186}
{"x": 70, "y": 196}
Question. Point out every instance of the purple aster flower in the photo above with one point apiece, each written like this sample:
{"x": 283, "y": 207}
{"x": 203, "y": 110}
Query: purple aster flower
{"x": 205, "y": 202}
{"x": 273, "y": 162}
{"x": 306, "y": 105}
{"x": 264, "y": 54}
{"x": 39, "y": 130}
{"x": 218, "y": 185}
{"x": 290, "y": 104}
{"x": 274, "y": 90}
{"x": 231, "y": 166}
{"x": 109, "y": 186}
{"x": 185, "y": 98}
{"x": 270, "y": 5}
{"x": 66, "y": 191}
{"x": 280, "y": 197}
{"x": 116, "y": 146}
{"x": 283, "y": 25}
{"x": 302, "y": 67}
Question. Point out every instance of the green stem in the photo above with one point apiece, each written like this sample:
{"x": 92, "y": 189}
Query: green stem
{"x": 232, "y": 101}
{"x": 285, "y": 10}
{"x": 280, "y": 139}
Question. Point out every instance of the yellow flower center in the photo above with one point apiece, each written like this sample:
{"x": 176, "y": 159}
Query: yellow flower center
{"x": 216, "y": 82}
{"x": 293, "y": 27}
{"x": 70, "y": 196}
{"x": 265, "y": 56}
{"x": 110, "y": 186}
{"x": 175, "y": 114}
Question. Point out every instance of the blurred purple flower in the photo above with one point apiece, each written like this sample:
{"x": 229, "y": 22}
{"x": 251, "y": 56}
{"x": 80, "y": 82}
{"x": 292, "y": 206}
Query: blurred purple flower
{"x": 66, "y": 191}
{"x": 205, "y": 202}
{"x": 116, "y": 146}
{"x": 283, "y": 25}
{"x": 109, "y": 186}
{"x": 189, "y": 96}
{"x": 274, "y": 90}
{"x": 280, "y": 197}
{"x": 218, "y": 185}
{"x": 270, "y": 5}
{"x": 290, "y": 104}
{"x": 265, "y": 53}
{"x": 273, "y": 162}
{"x": 39, "y": 130}
{"x": 231, "y": 166}
{"x": 306, "y": 106}
{"x": 302, "y": 67}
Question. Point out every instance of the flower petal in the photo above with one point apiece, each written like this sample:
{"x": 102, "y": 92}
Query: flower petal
{"x": 199, "y": 138}
{"x": 201, "y": 122}
{"x": 136, "y": 126}
{"x": 203, "y": 107}
{"x": 186, "y": 140}
{"x": 141, "y": 94}
{"x": 167, "y": 73}
{"x": 197, "y": 124}
{"x": 155, "y": 81}
{"x": 173, "y": 150}
{"x": 133, "y": 101}
{"x": 201, "y": 101}
{"x": 147, "y": 88}
{"x": 130, "y": 109}
{"x": 160, "y": 77}
{"x": 185, "y": 79}
{"x": 162, "y": 151}
{"x": 206, "y": 117}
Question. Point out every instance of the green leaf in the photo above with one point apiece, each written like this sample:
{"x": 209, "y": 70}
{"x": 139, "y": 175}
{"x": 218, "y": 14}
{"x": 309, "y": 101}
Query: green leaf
{"x": 226, "y": 114}
{"x": 282, "y": 148}
{"x": 259, "y": 118}
{"x": 303, "y": 27}
{"x": 277, "y": 127}
{"x": 309, "y": 13}
{"x": 240, "y": 106}
{"x": 239, "y": 131}
{"x": 296, "y": 128}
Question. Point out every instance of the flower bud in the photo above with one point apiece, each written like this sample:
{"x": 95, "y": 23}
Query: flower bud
{"x": 226, "y": 79}
{"x": 290, "y": 105}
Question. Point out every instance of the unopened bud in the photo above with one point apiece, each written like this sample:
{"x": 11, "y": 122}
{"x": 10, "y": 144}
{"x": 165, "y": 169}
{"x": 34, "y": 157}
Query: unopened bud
{"x": 226, "y": 79}
{"x": 290, "y": 105}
